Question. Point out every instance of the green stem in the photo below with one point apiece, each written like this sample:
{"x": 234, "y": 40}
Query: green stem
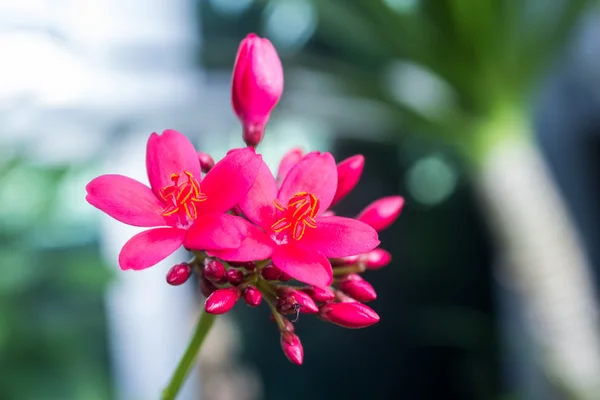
{"x": 187, "y": 361}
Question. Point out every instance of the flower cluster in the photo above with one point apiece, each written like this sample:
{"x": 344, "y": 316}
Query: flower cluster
{"x": 254, "y": 235}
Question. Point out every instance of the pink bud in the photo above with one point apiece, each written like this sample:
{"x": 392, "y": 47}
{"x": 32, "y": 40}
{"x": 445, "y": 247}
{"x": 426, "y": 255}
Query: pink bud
{"x": 292, "y": 348}
{"x": 270, "y": 273}
{"x": 358, "y": 288}
{"x": 179, "y": 274}
{"x": 206, "y": 161}
{"x": 382, "y": 213}
{"x": 221, "y": 300}
{"x": 206, "y": 286}
{"x": 235, "y": 276}
{"x": 322, "y": 295}
{"x": 247, "y": 265}
{"x": 290, "y": 159}
{"x": 214, "y": 271}
{"x": 378, "y": 258}
{"x": 349, "y": 172}
{"x": 348, "y": 315}
{"x": 257, "y": 85}
{"x": 342, "y": 261}
{"x": 252, "y": 296}
{"x": 307, "y": 305}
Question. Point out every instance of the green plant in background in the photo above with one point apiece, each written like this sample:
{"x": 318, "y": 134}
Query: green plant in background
{"x": 52, "y": 320}
{"x": 465, "y": 72}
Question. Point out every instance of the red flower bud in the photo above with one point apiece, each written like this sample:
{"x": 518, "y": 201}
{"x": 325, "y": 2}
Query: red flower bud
{"x": 235, "y": 276}
{"x": 322, "y": 295}
{"x": 288, "y": 297}
{"x": 292, "y": 348}
{"x": 342, "y": 261}
{"x": 214, "y": 271}
{"x": 348, "y": 315}
{"x": 357, "y": 287}
{"x": 179, "y": 274}
{"x": 270, "y": 273}
{"x": 247, "y": 265}
{"x": 382, "y": 213}
{"x": 378, "y": 258}
{"x": 206, "y": 161}
{"x": 221, "y": 300}
{"x": 284, "y": 277}
{"x": 206, "y": 286}
{"x": 257, "y": 85}
{"x": 252, "y": 296}
{"x": 349, "y": 172}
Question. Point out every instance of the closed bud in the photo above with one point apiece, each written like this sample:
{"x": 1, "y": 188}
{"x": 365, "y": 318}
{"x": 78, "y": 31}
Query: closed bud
{"x": 252, "y": 296}
{"x": 290, "y": 159}
{"x": 214, "y": 271}
{"x": 292, "y": 348}
{"x": 235, "y": 276}
{"x": 206, "y": 161}
{"x": 256, "y": 86}
{"x": 206, "y": 286}
{"x": 348, "y": 315}
{"x": 349, "y": 172}
{"x": 322, "y": 295}
{"x": 247, "y": 265}
{"x": 284, "y": 277}
{"x": 179, "y": 274}
{"x": 378, "y": 258}
{"x": 358, "y": 288}
{"x": 343, "y": 261}
{"x": 221, "y": 300}
{"x": 382, "y": 213}
{"x": 288, "y": 297}
{"x": 270, "y": 273}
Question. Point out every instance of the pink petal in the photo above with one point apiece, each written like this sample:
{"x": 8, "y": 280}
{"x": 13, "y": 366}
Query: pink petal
{"x": 382, "y": 212}
{"x": 150, "y": 247}
{"x": 349, "y": 172}
{"x": 229, "y": 180}
{"x": 126, "y": 200}
{"x": 340, "y": 237}
{"x": 308, "y": 266}
{"x": 167, "y": 154}
{"x": 257, "y": 205}
{"x": 290, "y": 159}
{"x": 255, "y": 244}
{"x": 213, "y": 232}
{"x": 316, "y": 174}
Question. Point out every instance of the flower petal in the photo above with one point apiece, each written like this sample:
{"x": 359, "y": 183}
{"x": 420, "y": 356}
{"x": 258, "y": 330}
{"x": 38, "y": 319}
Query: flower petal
{"x": 255, "y": 244}
{"x": 150, "y": 247}
{"x": 126, "y": 200}
{"x": 308, "y": 266}
{"x": 213, "y": 232}
{"x": 316, "y": 174}
{"x": 229, "y": 180}
{"x": 257, "y": 205}
{"x": 340, "y": 237}
{"x": 167, "y": 154}
{"x": 290, "y": 159}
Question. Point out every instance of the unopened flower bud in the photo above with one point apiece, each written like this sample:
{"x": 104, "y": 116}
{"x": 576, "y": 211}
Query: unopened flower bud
{"x": 235, "y": 276}
{"x": 221, "y": 300}
{"x": 292, "y": 348}
{"x": 206, "y": 286}
{"x": 214, "y": 271}
{"x": 284, "y": 277}
{"x": 358, "y": 288}
{"x": 206, "y": 161}
{"x": 378, "y": 258}
{"x": 343, "y": 261}
{"x": 252, "y": 296}
{"x": 348, "y": 315}
{"x": 247, "y": 265}
{"x": 257, "y": 85}
{"x": 322, "y": 295}
{"x": 179, "y": 274}
{"x": 382, "y": 213}
{"x": 270, "y": 273}
{"x": 288, "y": 297}
{"x": 290, "y": 159}
{"x": 349, "y": 172}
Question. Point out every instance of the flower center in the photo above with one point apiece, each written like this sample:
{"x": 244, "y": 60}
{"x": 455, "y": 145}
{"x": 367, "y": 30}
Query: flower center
{"x": 300, "y": 213}
{"x": 182, "y": 197}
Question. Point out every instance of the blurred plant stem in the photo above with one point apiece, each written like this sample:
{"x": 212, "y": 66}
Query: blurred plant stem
{"x": 187, "y": 361}
{"x": 541, "y": 252}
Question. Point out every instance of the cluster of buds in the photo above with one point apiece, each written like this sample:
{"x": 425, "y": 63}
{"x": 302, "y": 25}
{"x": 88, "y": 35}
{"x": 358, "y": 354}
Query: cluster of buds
{"x": 263, "y": 237}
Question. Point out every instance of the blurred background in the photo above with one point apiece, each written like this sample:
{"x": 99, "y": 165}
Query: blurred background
{"x": 484, "y": 114}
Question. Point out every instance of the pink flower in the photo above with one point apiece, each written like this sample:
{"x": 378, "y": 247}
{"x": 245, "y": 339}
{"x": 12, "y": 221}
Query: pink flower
{"x": 176, "y": 200}
{"x": 351, "y": 315}
{"x": 257, "y": 85}
{"x": 294, "y": 234}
